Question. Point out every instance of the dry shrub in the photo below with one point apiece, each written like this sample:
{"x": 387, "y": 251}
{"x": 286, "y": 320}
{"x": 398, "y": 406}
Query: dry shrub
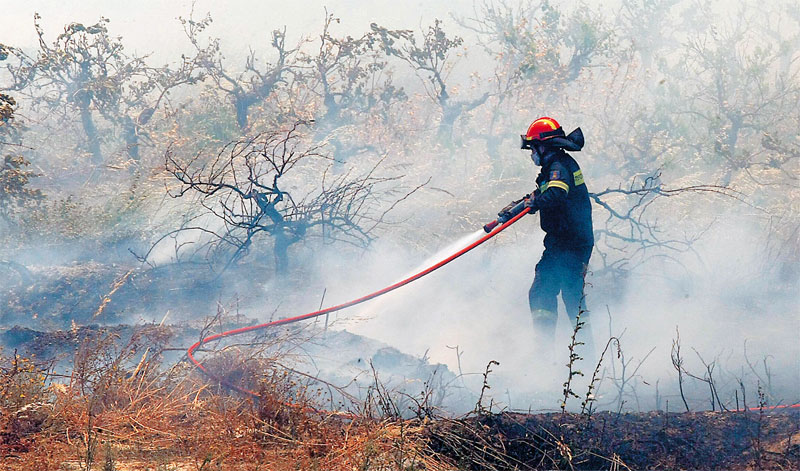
{"x": 121, "y": 409}
{"x": 22, "y": 383}
{"x": 24, "y": 409}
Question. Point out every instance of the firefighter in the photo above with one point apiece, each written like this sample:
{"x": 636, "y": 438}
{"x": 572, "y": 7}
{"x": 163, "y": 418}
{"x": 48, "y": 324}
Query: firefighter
{"x": 565, "y": 214}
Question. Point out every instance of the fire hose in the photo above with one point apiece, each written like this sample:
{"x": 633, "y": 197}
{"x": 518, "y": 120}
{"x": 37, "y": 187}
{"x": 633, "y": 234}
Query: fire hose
{"x": 506, "y": 219}
{"x": 508, "y": 216}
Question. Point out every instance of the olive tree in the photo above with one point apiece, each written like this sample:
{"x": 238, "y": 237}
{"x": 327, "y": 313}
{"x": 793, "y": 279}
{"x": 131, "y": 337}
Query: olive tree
{"x": 86, "y": 71}
{"x": 256, "y": 82}
{"x": 352, "y": 80}
{"x": 432, "y": 60}
{"x": 15, "y": 175}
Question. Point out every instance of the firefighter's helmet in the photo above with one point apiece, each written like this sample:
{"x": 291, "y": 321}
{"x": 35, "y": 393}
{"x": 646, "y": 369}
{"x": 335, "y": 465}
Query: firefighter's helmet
{"x": 547, "y": 131}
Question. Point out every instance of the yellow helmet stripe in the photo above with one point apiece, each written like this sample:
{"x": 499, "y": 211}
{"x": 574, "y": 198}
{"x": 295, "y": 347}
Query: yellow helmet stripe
{"x": 549, "y": 122}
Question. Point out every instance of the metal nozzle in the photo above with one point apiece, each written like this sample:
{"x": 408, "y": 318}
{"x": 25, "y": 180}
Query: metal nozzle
{"x": 506, "y": 214}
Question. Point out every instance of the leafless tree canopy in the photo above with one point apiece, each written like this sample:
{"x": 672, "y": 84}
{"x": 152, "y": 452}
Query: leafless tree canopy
{"x": 242, "y": 188}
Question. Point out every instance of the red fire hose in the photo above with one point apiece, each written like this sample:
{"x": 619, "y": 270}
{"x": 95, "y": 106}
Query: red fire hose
{"x": 493, "y": 228}
{"x": 230, "y": 333}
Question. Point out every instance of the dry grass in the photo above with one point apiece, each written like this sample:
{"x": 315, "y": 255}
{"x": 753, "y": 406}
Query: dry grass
{"x": 121, "y": 409}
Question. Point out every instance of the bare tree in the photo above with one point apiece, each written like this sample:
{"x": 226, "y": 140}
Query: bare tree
{"x": 628, "y": 224}
{"x": 677, "y": 363}
{"x": 242, "y": 189}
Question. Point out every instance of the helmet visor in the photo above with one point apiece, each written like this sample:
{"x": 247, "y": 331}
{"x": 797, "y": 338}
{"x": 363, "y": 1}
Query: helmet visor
{"x": 526, "y": 143}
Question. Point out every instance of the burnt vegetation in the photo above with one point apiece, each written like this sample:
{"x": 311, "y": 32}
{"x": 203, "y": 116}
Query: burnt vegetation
{"x": 147, "y": 204}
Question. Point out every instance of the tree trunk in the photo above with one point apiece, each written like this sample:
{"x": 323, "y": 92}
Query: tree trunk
{"x": 91, "y": 132}
{"x": 129, "y": 133}
{"x": 281, "y": 251}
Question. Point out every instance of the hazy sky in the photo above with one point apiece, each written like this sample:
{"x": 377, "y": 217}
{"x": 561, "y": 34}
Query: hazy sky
{"x": 151, "y": 26}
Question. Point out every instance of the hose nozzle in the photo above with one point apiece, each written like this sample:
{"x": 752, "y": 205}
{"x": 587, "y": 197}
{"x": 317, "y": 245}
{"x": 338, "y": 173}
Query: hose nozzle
{"x": 506, "y": 214}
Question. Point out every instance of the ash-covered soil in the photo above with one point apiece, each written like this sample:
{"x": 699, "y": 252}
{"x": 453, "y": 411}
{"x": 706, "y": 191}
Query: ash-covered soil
{"x": 51, "y": 310}
{"x": 50, "y": 313}
{"x": 761, "y": 439}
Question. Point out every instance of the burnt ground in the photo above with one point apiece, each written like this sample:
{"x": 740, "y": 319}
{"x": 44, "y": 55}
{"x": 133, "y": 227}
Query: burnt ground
{"x": 50, "y": 312}
{"x": 657, "y": 440}
{"x": 59, "y": 296}
{"x": 755, "y": 439}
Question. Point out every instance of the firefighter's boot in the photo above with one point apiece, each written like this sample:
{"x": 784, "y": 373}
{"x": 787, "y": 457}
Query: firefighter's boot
{"x": 545, "y": 362}
{"x": 544, "y": 331}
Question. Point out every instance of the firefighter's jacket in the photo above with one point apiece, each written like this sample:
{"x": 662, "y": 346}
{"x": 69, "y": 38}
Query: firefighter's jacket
{"x": 562, "y": 200}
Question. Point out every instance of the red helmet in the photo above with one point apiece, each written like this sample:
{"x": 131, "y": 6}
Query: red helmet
{"x": 540, "y": 130}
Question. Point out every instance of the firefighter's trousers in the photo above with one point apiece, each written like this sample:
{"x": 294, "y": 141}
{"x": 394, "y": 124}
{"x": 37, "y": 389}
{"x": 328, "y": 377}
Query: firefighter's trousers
{"x": 560, "y": 270}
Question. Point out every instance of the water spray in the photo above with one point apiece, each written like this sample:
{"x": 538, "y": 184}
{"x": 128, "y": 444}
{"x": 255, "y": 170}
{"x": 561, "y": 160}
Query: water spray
{"x": 506, "y": 218}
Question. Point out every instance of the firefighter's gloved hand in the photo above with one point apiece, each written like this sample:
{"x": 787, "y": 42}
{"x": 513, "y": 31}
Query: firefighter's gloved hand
{"x": 507, "y": 209}
{"x": 530, "y": 203}
{"x": 505, "y": 214}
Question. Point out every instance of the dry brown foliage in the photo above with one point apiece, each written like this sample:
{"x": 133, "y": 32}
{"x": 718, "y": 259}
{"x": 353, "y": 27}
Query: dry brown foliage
{"x": 120, "y": 409}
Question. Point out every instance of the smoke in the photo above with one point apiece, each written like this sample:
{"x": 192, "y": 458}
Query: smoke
{"x": 723, "y": 297}
{"x": 725, "y": 302}
{"x": 385, "y": 302}
{"x": 717, "y": 298}
{"x": 471, "y": 304}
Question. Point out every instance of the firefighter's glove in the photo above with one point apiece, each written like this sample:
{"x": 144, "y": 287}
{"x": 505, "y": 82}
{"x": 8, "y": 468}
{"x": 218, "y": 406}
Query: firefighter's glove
{"x": 530, "y": 203}
{"x": 505, "y": 213}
